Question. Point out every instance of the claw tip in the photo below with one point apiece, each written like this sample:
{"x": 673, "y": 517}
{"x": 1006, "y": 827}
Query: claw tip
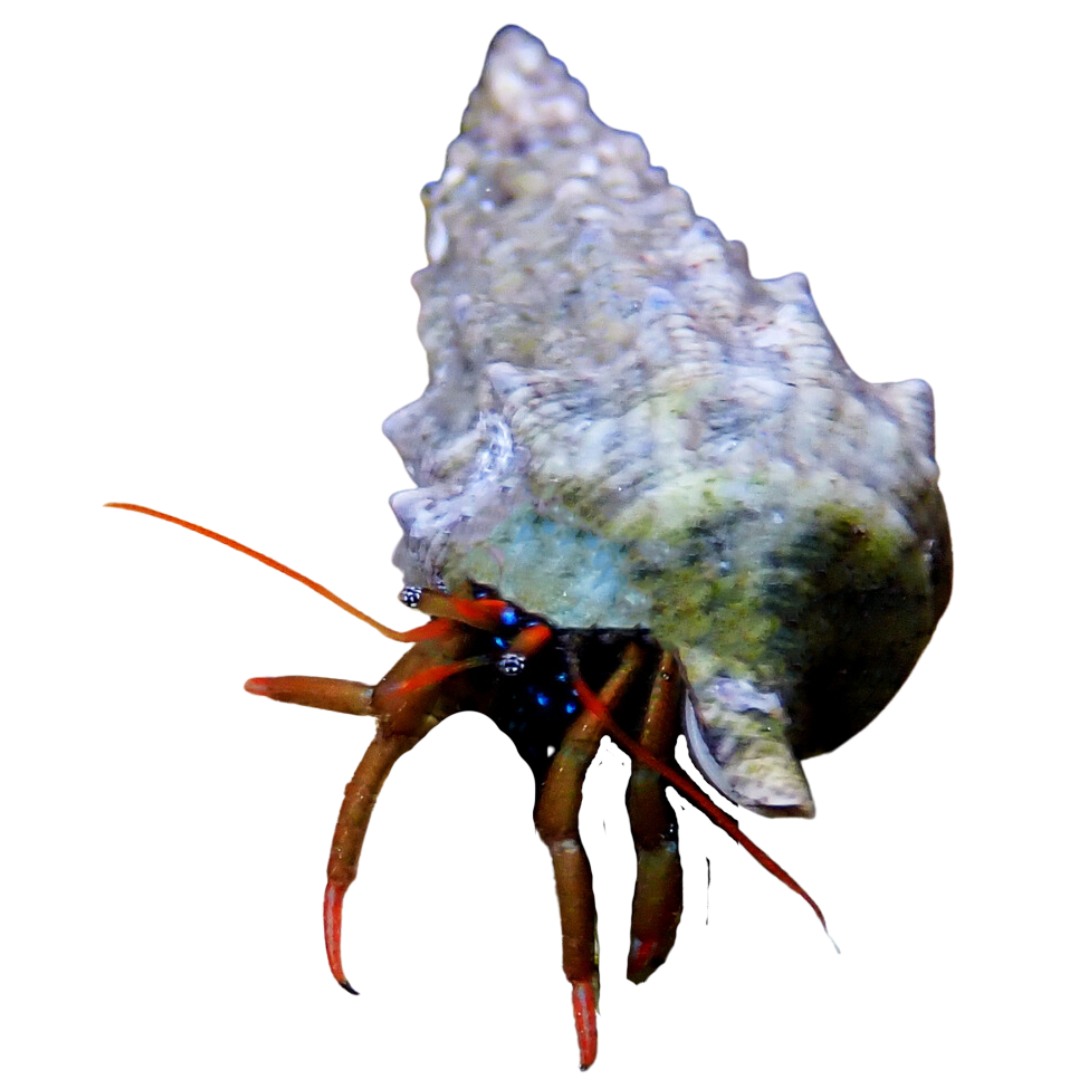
{"x": 584, "y": 997}
{"x": 258, "y": 686}
{"x": 346, "y": 985}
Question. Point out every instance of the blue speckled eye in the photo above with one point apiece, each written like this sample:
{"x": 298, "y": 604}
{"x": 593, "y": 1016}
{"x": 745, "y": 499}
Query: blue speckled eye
{"x": 511, "y": 663}
{"x": 410, "y": 595}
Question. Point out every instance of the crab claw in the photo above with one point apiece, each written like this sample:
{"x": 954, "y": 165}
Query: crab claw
{"x": 332, "y": 901}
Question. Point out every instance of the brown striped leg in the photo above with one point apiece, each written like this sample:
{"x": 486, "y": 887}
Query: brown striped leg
{"x": 556, "y": 817}
{"x": 658, "y": 891}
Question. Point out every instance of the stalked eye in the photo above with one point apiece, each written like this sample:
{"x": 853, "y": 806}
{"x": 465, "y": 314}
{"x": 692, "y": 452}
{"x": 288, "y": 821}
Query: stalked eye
{"x": 410, "y": 595}
{"x": 511, "y": 663}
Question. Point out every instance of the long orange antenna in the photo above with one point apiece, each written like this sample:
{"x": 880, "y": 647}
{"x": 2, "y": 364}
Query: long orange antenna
{"x": 394, "y": 635}
{"x": 690, "y": 791}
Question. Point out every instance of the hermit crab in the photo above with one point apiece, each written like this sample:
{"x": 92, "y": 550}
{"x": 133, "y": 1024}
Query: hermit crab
{"x": 651, "y": 499}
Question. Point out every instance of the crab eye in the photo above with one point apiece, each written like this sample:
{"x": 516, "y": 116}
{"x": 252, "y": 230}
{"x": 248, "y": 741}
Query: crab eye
{"x": 410, "y": 595}
{"x": 511, "y": 663}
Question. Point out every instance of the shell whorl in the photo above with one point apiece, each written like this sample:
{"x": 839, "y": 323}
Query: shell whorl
{"x": 624, "y": 427}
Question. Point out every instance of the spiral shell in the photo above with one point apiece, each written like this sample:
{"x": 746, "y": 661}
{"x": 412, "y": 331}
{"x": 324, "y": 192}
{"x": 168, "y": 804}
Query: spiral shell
{"x": 624, "y": 428}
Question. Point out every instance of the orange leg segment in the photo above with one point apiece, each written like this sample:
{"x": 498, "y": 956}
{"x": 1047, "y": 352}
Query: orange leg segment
{"x": 337, "y": 695}
{"x": 556, "y": 819}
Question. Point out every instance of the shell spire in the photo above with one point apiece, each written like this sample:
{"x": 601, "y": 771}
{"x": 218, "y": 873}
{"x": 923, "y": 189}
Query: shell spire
{"x": 623, "y": 427}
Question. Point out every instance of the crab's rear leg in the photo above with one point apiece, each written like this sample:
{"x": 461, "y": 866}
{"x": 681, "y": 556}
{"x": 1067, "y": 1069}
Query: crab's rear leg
{"x": 556, "y": 817}
{"x": 657, "y": 905}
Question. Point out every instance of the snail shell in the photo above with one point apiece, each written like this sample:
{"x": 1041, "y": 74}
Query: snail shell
{"x": 624, "y": 428}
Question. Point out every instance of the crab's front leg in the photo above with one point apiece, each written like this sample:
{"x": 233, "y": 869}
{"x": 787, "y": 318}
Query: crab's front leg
{"x": 418, "y": 692}
{"x": 556, "y": 817}
{"x": 359, "y": 798}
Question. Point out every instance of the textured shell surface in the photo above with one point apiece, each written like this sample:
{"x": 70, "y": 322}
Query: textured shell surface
{"x": 623, "y": 427}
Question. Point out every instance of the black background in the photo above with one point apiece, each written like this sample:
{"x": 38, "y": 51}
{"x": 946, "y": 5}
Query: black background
{"x": 261, "y": 210}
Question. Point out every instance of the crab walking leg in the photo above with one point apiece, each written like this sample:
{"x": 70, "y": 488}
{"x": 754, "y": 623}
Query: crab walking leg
{"x": 360, "y": 795}
{"x": 404, "y": 718}
{"x": 337, "y": 695}
{"x": 406, "y": 703}
{"x": 556, "y": 818}
{"x": 342, "y": 695}
{"x": 657, "y": 904}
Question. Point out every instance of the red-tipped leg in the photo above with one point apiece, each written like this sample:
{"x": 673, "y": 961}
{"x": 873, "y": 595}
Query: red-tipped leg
{"x": 338, "y": 695}
{"x": 360, "y": 795}
{"x": 332, "y": 901}
{"x": 585, "y": 1020}
{"x": 556, "y": 818}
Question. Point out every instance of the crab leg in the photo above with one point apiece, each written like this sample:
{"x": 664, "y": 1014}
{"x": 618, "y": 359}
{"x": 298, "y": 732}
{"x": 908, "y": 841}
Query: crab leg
{"x": 658, "y": 891}
{"x": 341, "y": 695}
{"x": 408, "y": 705}
{"x": 360, "y": 795}
{"x": 556, "y": 818}
{"x": 337, "y": 695}
{"x": 361, "y": 792}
